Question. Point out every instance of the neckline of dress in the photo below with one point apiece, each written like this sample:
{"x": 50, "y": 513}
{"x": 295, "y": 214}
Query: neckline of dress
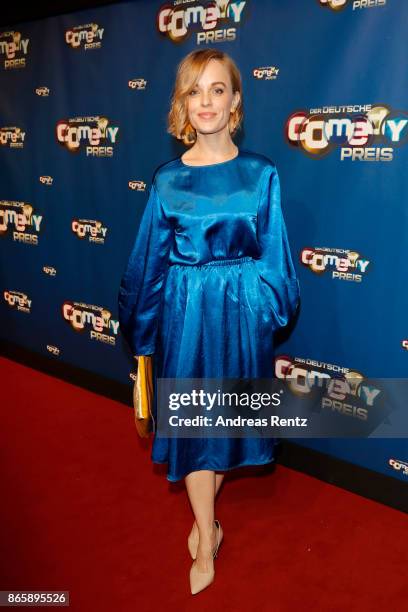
{"x": 227, "y": 161}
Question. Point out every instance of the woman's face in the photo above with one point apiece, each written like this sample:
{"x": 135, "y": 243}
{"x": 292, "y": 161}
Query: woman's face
{"x": 211, "y": 100}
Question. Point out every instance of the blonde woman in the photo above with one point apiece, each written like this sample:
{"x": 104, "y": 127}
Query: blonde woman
{"x": 209, "y": 280}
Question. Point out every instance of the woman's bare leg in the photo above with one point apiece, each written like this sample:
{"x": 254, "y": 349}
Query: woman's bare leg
{"x": 201, "y": 489}
{"x": 219, "y": 477}
{"x": 218, "y": 482}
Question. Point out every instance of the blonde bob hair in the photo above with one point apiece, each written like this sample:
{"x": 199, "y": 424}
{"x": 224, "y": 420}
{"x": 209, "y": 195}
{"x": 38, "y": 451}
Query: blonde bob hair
{"x": 188, "y": 72}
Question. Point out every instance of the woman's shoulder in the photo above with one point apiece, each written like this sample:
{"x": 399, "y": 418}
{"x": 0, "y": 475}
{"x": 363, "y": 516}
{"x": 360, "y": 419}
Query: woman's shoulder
{"x": 258, "y": 161}
{"x": 164, "y": 169}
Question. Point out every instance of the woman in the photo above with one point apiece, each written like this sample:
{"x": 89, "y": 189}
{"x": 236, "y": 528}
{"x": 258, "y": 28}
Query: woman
{"x": 209, "y": 280}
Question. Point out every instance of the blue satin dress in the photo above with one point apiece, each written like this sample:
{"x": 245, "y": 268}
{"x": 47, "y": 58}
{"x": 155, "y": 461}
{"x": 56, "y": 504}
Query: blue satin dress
{"x": 209, "y": 280}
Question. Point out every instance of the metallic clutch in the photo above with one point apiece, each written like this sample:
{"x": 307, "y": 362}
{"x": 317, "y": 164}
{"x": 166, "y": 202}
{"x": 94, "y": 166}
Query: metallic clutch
{"x": 143, "y": 395}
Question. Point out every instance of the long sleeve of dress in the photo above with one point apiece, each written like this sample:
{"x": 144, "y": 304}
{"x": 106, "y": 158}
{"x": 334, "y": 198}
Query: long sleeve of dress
{"x": 275, "y": 265}
{"x": 140, "y": 289}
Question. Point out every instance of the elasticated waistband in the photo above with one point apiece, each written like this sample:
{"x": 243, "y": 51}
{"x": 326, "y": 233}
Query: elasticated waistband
{"x": 216, "y": 262}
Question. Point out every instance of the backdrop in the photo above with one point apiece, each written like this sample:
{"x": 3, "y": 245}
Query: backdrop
{"x": 84, "y": 99}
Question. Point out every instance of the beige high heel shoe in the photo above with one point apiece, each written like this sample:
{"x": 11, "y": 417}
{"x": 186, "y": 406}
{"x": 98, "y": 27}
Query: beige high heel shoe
{"x": 201, "y": 580}
{"x": 192, "y": 542}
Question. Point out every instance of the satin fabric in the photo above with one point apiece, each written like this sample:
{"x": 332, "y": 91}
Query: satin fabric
{"x": 209, "y": 280}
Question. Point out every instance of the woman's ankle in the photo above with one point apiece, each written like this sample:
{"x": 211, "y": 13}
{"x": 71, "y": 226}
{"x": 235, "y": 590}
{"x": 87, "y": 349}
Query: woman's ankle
{"x": 208, "y": 535}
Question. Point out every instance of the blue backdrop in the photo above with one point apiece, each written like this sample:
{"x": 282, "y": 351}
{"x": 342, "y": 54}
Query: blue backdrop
{"x": 83, "y": 126}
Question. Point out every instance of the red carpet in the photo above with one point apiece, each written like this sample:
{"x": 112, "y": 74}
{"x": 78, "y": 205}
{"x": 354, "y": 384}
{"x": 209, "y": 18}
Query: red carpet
{"x": 83, "y": 509}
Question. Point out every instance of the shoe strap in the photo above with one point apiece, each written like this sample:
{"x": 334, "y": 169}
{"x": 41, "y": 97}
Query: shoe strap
{"x": 217, "y": 523}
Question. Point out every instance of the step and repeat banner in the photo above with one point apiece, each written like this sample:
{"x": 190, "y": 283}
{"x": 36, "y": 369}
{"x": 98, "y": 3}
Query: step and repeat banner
{"x": 83, "y": 107}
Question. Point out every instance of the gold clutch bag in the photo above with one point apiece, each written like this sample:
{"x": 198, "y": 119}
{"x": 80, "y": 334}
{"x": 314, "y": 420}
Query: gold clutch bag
{"x": 143, "y": 395}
